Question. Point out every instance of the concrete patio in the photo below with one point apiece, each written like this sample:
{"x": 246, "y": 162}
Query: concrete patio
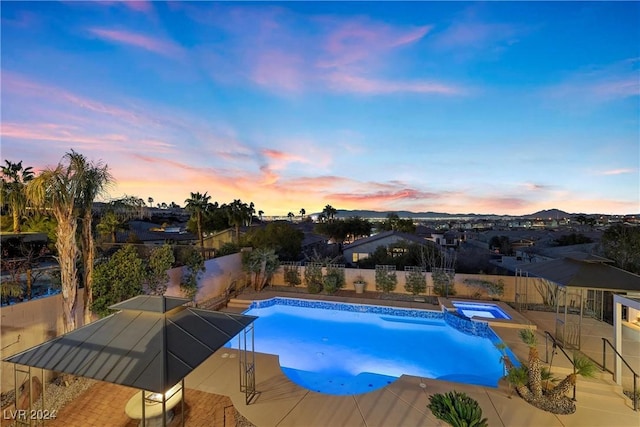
{"x": 214, "y": 386}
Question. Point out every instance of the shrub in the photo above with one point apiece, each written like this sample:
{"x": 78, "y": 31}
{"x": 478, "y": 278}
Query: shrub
{"x": 416, "y": 282}
{"x": 443, "y": 282}
{"x": 313, "y": 277}
{"x": 492, "y": 288}
{"x": 333, "y": 280}
{"x": 292, "y": 275}
{"x": 386, "y": 279}
{"x": 457, "y": 409}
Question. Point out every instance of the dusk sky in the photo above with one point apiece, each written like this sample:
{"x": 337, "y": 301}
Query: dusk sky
{"x": 458, "y": 107}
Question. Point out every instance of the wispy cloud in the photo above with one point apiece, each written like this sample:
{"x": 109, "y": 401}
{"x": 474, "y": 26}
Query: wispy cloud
{"x": 153, "y": 44}
{"x": 619, "y": 171}
{"x": 597, "y": 84}
{"x": 287, "y": 53}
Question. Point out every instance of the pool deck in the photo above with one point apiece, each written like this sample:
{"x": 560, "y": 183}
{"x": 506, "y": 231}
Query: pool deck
{"x": 404, "y": 402}
{"x": 214, "y": 386}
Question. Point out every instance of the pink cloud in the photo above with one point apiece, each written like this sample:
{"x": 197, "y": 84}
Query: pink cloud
{"x": 356, "y": 40}
{"x": 152, "y": 44}
{"x": 363, "y": 85}
{"x": 138, "y": 5}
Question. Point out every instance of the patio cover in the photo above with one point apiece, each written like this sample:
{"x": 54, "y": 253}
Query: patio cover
{"x": 152, "y": 343}
{"x": 590, "y": 272}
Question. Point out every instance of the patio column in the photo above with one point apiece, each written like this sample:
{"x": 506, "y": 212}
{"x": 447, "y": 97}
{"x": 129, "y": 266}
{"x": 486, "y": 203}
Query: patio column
{"x": 617, "y": 339}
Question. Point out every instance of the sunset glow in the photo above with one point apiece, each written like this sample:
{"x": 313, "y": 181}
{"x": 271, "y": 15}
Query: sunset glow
{"x": 458, "y": 107}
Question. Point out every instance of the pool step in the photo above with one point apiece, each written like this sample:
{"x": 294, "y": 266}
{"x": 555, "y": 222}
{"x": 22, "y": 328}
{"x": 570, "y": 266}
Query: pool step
{"x": 238, "y": 304}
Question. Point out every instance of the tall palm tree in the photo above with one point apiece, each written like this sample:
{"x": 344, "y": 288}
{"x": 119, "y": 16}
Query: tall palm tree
{"x": 110, "y": 224}
{"x": 330, "y": 212}
{"x": 290, "y": 215}
{"x": 238, "y": 214}
{"x": 14, "y": 180}
{"x": 150, "y": 200}
{"x": 57, "y": 189}
{"x": 196, "y": 205}
{"x": 93, "y": 179}
{"x": 303, "y": 213}
{"x": 260, "y": 213}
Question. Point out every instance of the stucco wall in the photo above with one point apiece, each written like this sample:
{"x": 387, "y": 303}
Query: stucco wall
{"x": 219, "y": 273}
{"x": 28, "y": 324}
{"x": 462, "y": 289}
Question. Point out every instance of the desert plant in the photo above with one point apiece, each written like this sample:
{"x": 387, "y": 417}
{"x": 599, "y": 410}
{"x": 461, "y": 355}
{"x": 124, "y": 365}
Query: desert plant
{"x": 492, "y": 288}
{"x": 313, "y": 277}
{"x": 292, "y": 275}
{"x": 443, "y": 282}
{"x": 457, "y": 409}
{"x": 416, "y": 281}
{"x": 583, "y": 366}
{"x": 386, "y": 279}
{"x": 333, "y": 279}
{"x": 528, "y": 381}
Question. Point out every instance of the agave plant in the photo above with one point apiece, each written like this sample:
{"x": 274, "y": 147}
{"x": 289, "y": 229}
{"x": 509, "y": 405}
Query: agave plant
{"x": 457, "y": 409}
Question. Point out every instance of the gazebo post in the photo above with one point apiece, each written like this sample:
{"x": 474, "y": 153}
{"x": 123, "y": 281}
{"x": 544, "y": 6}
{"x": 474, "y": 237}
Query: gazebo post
{"x": 144, "y": 417}
{"x": 182, "y": 401}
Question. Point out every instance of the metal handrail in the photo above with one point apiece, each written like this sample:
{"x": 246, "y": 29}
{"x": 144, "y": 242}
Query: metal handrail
{"x": 635, "y": 375}
{"x": 556, "y": 344}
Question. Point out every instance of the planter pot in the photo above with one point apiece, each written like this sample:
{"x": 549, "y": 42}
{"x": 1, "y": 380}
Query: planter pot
{"x": 359, "y": 287}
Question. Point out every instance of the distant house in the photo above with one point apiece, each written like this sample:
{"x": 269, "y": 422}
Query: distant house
{"x": 153, "y": 234}
{"x": 363, "y": 248}
{"x": 220, "y": 238}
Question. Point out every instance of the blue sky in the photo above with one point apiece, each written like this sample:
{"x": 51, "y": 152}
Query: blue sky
{"x": 457, "y": 107}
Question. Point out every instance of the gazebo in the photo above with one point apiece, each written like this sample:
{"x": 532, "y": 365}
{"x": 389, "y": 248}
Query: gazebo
{"x": 584, "y": 286}
{"x": 151, "y": 343}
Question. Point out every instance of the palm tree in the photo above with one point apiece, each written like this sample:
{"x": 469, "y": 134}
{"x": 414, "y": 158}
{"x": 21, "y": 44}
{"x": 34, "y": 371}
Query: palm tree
{"x": 302, "y": 213}
{"x": 57, "y": 189}
{"x": 14, "y": 180}
{"x": 583, "y": 366}
{"x": 290, "y": 215}
{"x": 196, "y": 205}
{"x": 260, "y": 213}
{"x": 535, "y": 369}
{"x": 93, "y": 179}
{"x": 238, "y": 214}
{"x": 150, "y": 200}
{"x": 110, "y": 224}
{"x": 330, "y": 212}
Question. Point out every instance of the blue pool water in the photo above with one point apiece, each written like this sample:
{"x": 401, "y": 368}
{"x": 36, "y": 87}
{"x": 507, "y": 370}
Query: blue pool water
{"x": 345, "y": 349}
{"x": 489, "y": 311}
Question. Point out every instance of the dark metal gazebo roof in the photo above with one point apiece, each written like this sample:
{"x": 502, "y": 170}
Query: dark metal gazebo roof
{"x": 589, "y": 272}
{"x": 152, "y": 343}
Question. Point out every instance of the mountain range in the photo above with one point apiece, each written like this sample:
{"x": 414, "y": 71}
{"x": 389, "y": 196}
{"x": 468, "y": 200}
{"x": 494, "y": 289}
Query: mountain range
{"x": 368, "y": 214}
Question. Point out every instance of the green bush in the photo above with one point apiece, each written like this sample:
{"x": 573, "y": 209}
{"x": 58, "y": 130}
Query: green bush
{"x": 292, "y": 275}
{"x": 443, "y": 283}
{"x": 457, "y": 409}
{"x": 313, "y": 278}
{"x": 416, "y": 282}
{"x": 333, "y": 279}
{"x": 386, "y": 279}
{"x": 492, "y": 288}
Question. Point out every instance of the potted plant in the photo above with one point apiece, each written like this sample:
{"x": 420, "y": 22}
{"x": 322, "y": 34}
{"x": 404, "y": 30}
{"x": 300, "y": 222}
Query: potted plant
{"x": 359, "y": 284}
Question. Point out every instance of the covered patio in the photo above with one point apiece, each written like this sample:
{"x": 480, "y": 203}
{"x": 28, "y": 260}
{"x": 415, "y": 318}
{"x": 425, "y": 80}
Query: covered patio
{"x": 150, "y": 344}
{"x": 580, "y": 286}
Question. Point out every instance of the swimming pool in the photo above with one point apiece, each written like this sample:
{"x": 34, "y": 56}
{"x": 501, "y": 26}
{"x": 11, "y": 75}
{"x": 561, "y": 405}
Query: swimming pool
{"x": 489, "y": 311}
{"x": 344, "y": 349}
